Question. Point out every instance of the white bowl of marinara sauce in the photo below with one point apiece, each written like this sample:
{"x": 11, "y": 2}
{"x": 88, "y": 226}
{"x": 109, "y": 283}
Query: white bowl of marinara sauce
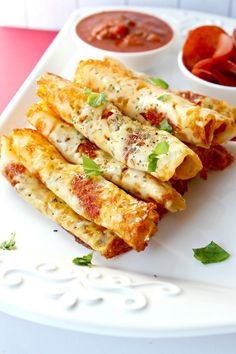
{"x": 137, "y": 39}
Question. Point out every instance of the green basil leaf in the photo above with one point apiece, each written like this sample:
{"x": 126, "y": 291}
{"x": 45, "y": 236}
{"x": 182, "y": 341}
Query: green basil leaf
{"x": 158, "y": 82}
{"x": 152, "y": 162}
{"x": 95, "y": 99}
{"x": 163, "y": 98}
{"x": 90, "y": 167}
{"x": 212, "y": 253}
{"x": 85, "y": 261}
{"x": 87, "y": 91}
{"x": 164, "y": 125}
{"x": 9, "y": 244}
{"x": 161, "y": 148}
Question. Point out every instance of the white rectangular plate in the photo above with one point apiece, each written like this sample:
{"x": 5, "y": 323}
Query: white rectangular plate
{"x": 163, "y": 291}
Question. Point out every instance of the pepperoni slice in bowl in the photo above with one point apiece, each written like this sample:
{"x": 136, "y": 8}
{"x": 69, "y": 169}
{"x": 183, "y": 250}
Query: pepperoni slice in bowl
{"x": 224, "y": 49}
{"x": 215, "y": 76}
{"x": 223, "y": 52}
{"x": 228, "y": 67}
{"x": 210, "y": 54}
{"x": 234, "y": 37}
{"x": 233, "y": 58}
{"x": 206, "y": 75}
{"x": 201, "y": 43}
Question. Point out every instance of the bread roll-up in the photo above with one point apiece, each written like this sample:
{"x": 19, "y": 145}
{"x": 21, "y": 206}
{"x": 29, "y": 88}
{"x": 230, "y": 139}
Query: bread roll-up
{"x": 72, "y": 145}
{"x": 33, "y": 191}
{"x": 94, "y": 198}
{"x": 141, "y": 100}
{"x": 128, "y": 141}
{"x": 219, "y": 106}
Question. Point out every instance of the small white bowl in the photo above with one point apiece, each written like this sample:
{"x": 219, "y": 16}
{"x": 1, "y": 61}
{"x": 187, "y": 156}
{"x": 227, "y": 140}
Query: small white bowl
{"x": 138, "y": 61}
{"x": 225, "y": 93}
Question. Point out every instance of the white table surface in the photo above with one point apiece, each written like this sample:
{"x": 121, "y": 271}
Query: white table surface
{"x": 22, "y": 337}
{"x": 52, "y": 14}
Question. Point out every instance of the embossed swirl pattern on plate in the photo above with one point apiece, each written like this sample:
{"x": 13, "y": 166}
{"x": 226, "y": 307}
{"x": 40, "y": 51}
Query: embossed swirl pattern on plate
{"x": 88, "y": 286}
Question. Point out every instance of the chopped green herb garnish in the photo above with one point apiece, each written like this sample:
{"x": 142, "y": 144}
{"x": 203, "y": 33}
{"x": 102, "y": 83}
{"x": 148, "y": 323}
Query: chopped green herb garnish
{"x": 95, "y": 99}
{"x": 90, "y": 167}
{"x": 161, "y": 148}
{"x": 164, "y": 125}
{"x": 152, "y": 162}
{"x": 87, "y": 91}
{"x": 163, "y": 98}
{"x": 85, "y": 261}
{"x": 9, "y": 244}
{"x": 158, "y": 82}
{"x": 212, "y": 253}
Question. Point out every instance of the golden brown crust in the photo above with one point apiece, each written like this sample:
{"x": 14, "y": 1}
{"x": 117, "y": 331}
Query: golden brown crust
{"x": 219, "y": 106}
{"x": 73, "y": 146}
{"x": 36, "y": 194}
{"x": 192, "y": 123}
{"x": 127, "y": 140}
{"x": 41, "y": 158}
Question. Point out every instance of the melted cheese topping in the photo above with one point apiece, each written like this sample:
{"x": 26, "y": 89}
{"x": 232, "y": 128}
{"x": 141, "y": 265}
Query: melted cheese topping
{"x": 114, "y": 134}
{"x": 68, "y": 141}
{"x": 134, "y": 221}
{"x": 223, "y": 108}
{"x": 135, "y": 97}
{"x": 37, "y": 195}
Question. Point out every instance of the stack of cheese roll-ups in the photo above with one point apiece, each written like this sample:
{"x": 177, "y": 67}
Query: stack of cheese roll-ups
{"x": 138, "y": 165}
{"x": 201, "y": 122}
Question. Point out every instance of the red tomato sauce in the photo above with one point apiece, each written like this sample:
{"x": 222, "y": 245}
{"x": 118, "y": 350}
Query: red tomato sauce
{"x": 155, "y": 118}
{"x": 87, "y": 148}
{"x": 217, "y": 158}
{"x": 124, "y": 31}
{"x": 12, "y": 171}
{"x": 88, "y": 193}
{"x": 134, "y": 139}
